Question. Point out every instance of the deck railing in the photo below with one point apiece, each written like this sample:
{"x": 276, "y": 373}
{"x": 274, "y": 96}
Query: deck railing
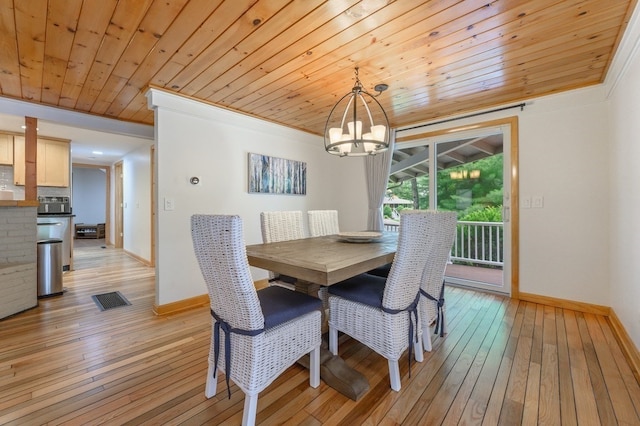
{"x": 475, "y": 242}
{"x": 478, "y": 243}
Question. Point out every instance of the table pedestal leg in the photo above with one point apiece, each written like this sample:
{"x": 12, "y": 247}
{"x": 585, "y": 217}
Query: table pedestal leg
{"x": 338, "y": 375}
{"x": 333, "y": 370}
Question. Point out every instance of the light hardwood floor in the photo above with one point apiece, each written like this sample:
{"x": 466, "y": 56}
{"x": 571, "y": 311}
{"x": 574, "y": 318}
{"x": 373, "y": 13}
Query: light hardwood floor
{"x": 502, "y": 362}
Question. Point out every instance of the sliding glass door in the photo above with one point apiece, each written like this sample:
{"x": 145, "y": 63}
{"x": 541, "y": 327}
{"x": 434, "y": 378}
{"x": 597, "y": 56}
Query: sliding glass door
{"x": 470, "y": 181}
{"x": 469, "y": 172}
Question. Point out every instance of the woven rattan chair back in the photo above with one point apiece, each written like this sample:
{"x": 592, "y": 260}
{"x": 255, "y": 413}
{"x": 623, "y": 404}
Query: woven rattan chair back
{"x": 441, "y": 235}
{"x": 281, "y": 226}
{"x": 405, "y": 276}
{"x": 220, "y": 251}
{"x": 323, "y": 222}
{"x": 251, "y": 347}
{"x": 392, "y": 327}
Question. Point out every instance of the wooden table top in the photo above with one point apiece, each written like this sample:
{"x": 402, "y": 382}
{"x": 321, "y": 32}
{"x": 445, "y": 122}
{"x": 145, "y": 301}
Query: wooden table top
{"x": 323, "y": 260}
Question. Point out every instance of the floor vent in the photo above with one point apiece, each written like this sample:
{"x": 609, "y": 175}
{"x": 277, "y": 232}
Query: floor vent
{"x": 110, "y": 300}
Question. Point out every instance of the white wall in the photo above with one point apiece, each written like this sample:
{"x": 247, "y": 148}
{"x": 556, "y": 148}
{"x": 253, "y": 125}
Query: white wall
{"x": 564, "y": 247}
{"x": 136, "y": 197}
{"x": 562, "y": 157}
{"x": 624, "y": 201}
{"x": 89, "y": 195}
{"x": 194, "y": 139}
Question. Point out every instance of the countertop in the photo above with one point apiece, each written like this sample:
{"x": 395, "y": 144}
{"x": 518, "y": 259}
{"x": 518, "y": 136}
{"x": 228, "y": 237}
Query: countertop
{"x": 56, "y": 215}
{"x": 19, "y": 203}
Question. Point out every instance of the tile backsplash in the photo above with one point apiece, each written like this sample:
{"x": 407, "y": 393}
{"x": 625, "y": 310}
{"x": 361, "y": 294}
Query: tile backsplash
{"x": 6, "y": 179}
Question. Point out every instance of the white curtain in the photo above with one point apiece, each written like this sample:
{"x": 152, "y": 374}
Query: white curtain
{"x": 377, "y": 173}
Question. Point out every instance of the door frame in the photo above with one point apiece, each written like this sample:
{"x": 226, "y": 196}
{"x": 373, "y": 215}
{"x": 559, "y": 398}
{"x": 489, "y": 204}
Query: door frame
{"x": 154, "y": 203}
{"x": 119, "y": 206}
{"x": 511, "y": 209}
{"x": 107, "y": 195}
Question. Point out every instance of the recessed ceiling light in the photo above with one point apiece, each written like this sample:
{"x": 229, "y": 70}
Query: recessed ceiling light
{"x": 96, "y": 152}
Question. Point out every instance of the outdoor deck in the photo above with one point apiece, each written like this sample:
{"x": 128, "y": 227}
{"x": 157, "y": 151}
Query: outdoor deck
{"x": 474, "y": 273}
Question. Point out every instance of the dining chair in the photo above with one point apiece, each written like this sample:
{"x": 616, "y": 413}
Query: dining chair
{"x": 281, "y": 226}
{"x": 323, "y": 222}
{"x": 256, "y": 335}
{"x": 382, "y": 313}
{"x": 431, "y": 306}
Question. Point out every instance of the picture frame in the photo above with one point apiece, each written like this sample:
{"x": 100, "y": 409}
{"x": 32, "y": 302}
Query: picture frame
{"x": 274, "y": 175}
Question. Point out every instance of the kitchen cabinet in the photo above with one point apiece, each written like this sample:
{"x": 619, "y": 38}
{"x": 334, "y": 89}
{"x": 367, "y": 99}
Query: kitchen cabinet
{"x": 52, "y": 158}
{"x": 6, "y": 149}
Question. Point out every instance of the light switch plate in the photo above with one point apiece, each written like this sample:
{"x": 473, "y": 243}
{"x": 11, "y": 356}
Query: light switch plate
{"x": 537, "y": 201}
{"x": 526, "y": 202}
{"x": 169, "y": 204}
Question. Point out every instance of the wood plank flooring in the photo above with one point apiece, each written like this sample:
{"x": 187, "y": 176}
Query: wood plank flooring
{"x": 502, "y": 362}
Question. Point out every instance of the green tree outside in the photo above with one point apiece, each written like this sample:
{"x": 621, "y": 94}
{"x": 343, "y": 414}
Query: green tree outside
{"x": 475, "y": 199}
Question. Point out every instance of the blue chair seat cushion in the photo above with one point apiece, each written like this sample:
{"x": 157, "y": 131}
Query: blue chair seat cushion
{"x": 364, "y": 288}
{"x": 280, "y": 305}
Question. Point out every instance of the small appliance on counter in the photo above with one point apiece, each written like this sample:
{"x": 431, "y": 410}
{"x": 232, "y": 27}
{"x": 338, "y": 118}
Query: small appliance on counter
{"x": 54, "y": 205}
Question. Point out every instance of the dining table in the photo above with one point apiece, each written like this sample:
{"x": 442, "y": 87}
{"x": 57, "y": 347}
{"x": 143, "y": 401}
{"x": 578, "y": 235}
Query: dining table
{"x": 321, "y": 262}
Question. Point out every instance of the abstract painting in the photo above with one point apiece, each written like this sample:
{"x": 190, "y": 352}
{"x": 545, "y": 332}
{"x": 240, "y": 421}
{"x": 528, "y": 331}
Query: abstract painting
{"x": 273, "y": 175}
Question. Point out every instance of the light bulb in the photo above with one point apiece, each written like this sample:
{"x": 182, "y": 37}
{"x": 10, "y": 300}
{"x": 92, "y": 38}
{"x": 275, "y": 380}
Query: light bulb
{"x": 378, "y": 132}
{"x": 345, "y": 148}
{"x": 358, "y": 126}
{"x": 335, "y": 134}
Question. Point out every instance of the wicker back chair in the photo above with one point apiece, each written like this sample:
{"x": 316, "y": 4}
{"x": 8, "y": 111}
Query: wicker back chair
{"x": 382, "y": 312}
{"x": 441, "y": 236}
{"x": 281, "y": 226}
{"x": 256, "y": 335}
{"x": 323, "y": 222}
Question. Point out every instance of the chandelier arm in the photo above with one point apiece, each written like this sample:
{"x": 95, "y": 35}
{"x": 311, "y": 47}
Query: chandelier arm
{"x": 386, "y": 120}
{"x": 346, "y": 110}
{"x": 356, "y": 92}
{"x": 366, "y": 107}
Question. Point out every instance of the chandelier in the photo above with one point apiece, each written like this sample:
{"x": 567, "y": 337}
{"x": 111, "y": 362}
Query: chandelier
{"x": 357, "y": 124}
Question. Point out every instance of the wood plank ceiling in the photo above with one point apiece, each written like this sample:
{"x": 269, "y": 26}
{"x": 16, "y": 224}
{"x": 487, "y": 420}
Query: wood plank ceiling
{"x": 290, "y": 61}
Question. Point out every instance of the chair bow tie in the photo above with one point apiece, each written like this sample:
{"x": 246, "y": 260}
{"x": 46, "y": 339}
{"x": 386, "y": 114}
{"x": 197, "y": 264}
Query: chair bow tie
{"x": 411, "y": 309}
{"x": 440, "y": 301}
{"x": 220, "y": 324}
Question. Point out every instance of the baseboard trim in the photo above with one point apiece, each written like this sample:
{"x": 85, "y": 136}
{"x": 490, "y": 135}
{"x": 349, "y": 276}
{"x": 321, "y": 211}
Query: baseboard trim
{"x": 260, "y": 284}
{"x": 182, "y": 305}
{"x": 628, "y": 347}
{"x": 138, "y": 258}
{"x": 566, "y": 304}
{"x": 194, "y": 302}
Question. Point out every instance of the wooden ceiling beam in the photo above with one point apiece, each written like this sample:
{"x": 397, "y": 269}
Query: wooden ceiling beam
{"x": 410, "y": 162}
